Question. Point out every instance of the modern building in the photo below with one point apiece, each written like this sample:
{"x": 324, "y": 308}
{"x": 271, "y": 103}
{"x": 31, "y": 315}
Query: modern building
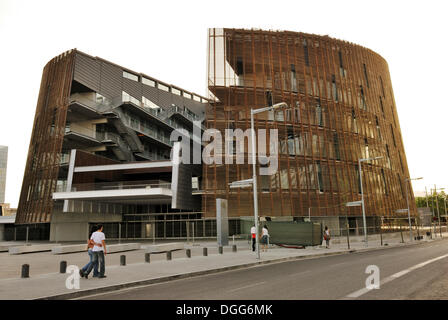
{"x": 101, "y": 149}
{"x": 3, "y": 167}
{"x": 341, "y": 109}
{"x": 100, "y": 152}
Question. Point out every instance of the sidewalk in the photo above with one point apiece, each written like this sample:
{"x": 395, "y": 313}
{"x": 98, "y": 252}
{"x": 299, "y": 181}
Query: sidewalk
{"x": 137, "y": 273}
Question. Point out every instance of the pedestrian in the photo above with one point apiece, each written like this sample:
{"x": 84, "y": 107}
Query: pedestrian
{"x": 89, "y": 251}
{"x": 327, "y": 237}
{"x": 253, "y": 233}
{"x": 98, "y": 251}
{"x": 264, "y": 238}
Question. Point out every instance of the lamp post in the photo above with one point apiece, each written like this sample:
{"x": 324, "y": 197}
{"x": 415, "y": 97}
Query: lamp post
{"x": 444, "y": 202}
{"x": 254, "y": 176}
{"x": 362, "y": 196}
{"x": 407, "y": 180}
{"x": 438, "y": 211}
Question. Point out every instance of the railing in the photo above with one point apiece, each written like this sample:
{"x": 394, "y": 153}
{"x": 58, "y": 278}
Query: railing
{"x": 108, "y": 105}
{"x": 104, "y": 136}
{"x": 120, "y": 185}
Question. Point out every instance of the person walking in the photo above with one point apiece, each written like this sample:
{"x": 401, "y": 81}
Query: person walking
{"x": 98, "y": 251}
{"x": 327, "y": 237}
{"x": 264, "y": 238}
{"x": 253, "y": 232}
{"x": 89, "y": 251}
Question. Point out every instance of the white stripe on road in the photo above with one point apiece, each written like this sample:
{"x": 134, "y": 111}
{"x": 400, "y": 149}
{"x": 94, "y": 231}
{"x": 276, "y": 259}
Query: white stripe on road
{"x": 248, "y": 286}
{"x": 363, "y": 291}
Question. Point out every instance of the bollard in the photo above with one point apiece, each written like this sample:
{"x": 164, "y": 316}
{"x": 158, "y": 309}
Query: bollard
{"x": 234, "y": 248}
{"x": 188, "y": 252}
{"x": 63, "y": 267}
{"x": 204, "y": 252}
{"x": 220, "y": 249}
{"x": 122, "y": 260}
{"x": 147, "y": 258}
{"x": 168, "y": 255}
{"x": 25, "y": 271}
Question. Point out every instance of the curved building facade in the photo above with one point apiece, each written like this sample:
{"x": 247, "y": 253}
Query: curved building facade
{"x": 341, "y": 109}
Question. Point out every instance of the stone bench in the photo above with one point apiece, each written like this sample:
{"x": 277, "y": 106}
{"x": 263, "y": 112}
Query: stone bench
{"x": 5, "y": 248}
{"x": 157, "y": 248}
{"x": 69, "y": 248}
{"x": 32, "y": 248}
{"x": 111, "y": 248}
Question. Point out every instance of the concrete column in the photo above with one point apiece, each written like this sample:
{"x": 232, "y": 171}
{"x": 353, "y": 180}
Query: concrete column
{"x": 2, "y": 232}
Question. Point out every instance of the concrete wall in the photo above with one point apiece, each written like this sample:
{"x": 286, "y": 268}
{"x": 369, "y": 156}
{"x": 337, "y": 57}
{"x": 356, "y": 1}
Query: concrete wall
{"x": 331, "y": 222}
{"x": 75, "y": 226}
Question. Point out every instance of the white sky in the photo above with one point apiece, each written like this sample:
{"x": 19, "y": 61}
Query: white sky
{"x": 167, "y": 40}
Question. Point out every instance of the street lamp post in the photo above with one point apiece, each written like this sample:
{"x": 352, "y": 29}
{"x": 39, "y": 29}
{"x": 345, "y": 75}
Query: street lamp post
{"x": 438, "y": 211}
{"x": 362, "y": 196}
{"x": 407, "y": 180}
{"x": 254, "y": 172}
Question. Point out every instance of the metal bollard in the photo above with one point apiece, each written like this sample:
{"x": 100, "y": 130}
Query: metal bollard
{"x": 168, "y": 255}
{"x": 234, "y": 248}
{"x": 63, "y": 267}
{"x": 122, "y": 260}
{"x": 147, "y": 258}
{"x": 220, "y": 250}
{"x": 188, "y": 252}
{"x": 204, "y": 252}
{"x": 25, "y": 271}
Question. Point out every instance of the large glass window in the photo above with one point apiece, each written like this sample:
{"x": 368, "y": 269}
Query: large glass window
{"x": 149, "y": 104}
{"x": 148, "y": 82}
{"x": 305, "y": 52}
{"x": 293, "y": 78}
{"x": 319, "y": 119}
{"x": 163, "y": 87}
{"x": 130, "y": 76}
{"x": 365, "y": 75}
{"x": 126, "y": 97}
{"x": 186, "y": 95}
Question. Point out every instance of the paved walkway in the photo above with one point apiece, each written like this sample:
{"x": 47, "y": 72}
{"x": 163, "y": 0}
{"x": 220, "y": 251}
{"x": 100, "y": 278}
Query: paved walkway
{"x": 46, "y": 282}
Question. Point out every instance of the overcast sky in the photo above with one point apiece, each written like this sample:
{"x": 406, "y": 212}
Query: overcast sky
{"x": 167, "y": 40}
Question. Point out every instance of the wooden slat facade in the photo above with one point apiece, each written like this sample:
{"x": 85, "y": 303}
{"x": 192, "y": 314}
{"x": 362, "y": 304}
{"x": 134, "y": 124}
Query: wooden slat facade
{"x": 356, "y": 118}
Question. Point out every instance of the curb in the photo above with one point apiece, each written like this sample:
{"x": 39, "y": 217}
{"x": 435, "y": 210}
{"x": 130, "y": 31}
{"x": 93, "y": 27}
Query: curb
{"x": 145, "y": 282}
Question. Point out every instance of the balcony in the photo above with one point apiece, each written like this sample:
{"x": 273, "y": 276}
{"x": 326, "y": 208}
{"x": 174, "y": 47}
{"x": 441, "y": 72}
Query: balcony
{"x": 132, "y": 192}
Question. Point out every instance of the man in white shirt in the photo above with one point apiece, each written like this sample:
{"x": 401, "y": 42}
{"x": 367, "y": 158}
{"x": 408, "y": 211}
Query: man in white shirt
{"x": 98, "y": 251}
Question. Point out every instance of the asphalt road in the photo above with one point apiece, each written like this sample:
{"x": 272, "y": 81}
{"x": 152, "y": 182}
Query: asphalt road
{"x": 405, "y": 273}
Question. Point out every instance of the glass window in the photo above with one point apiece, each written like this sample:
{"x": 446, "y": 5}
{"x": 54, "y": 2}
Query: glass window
{"x": 148, "y": 82}
{"x": 130, "y": 76}
{"x": 196, "y": 98}
{"x": 293, "y": 78}
{"x": 126, "y": 97}
{"x": 186, "y": 95}
{"x": 365, "y": 74}
{"x": 149, "y": 104}
{"x": 305, "y": 52}
{"x": 163, "y": 87}
{"x": 175, "y": 91}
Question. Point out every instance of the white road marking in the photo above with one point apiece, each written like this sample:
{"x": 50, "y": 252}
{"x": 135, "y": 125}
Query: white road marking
{"x": 363, "y": 291}
{"x": 248, "y": 286}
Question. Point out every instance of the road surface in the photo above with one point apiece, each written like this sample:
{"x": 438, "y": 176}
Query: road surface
{"x": 412, "y": 272}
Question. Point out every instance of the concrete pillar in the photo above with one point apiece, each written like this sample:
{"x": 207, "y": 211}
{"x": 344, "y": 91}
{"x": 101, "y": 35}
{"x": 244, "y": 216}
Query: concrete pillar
{"x": 2, "y": 232}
